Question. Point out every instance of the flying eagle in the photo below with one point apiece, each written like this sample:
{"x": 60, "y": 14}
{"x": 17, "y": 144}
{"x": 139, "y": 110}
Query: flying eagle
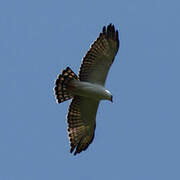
{"x": 87, "y": 89}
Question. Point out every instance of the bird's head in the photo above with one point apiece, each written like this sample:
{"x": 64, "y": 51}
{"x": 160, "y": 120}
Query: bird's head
{"x": 108, "y": 96}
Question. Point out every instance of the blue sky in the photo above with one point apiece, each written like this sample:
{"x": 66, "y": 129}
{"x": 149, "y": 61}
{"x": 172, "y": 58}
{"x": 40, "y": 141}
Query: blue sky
{"x": 137, "y": 137}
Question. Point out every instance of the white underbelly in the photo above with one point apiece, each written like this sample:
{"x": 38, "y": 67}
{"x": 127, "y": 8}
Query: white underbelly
{"x": 89, "y": 90}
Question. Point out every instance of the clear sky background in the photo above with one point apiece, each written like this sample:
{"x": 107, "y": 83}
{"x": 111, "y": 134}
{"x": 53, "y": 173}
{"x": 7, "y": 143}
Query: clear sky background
{"x": 137, "y": 137}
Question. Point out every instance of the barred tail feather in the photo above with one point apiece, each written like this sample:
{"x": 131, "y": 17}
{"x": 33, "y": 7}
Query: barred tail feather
{"x": 61, "y": 85}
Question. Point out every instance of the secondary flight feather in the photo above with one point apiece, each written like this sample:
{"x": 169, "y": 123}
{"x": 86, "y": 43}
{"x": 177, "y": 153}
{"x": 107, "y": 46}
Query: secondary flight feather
{"x": 87, "y": 89}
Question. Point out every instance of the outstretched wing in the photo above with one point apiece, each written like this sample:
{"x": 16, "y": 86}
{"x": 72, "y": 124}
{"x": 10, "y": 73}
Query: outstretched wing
{"x": 81, "y": 123}
{"x": 97, "y": 61}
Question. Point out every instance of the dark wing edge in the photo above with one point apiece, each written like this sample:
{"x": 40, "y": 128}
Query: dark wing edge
{"x": 101, "y": 52}
{"x": 111, "y": 34}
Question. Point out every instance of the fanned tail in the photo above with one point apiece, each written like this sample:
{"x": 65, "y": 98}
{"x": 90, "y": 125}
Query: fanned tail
{"x": 61, "y": 85}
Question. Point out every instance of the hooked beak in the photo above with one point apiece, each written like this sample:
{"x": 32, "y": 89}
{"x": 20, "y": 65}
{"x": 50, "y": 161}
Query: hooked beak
{"x": 111, "y": 99}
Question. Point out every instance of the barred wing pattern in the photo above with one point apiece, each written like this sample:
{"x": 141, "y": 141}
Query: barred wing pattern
{"x": 95, "y": 66}
{"x": 97, "y": 61}
{"x": 94, "y": 69}
{"x": 81, "y": 123}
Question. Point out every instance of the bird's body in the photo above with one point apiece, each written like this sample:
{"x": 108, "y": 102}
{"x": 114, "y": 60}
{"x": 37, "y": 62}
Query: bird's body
{"x": 87, "y": 89}
{"x": 90, "y": 90}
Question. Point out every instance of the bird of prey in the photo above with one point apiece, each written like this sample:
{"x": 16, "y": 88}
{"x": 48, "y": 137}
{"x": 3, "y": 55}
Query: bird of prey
{"x": 87, "y": 89}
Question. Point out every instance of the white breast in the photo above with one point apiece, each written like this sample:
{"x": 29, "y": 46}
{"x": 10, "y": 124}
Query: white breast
{"x": 90, "y": 90}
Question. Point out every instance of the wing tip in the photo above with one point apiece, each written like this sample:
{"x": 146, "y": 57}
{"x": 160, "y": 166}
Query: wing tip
{"x": 80, "y": 146}
{"x": 111, "y": 33}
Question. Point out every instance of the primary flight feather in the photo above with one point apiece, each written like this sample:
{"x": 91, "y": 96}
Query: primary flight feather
{"x": 87, "y": 89}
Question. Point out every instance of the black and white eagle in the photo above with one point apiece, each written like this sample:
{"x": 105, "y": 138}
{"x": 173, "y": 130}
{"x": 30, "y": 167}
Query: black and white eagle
{"x": 87, "y": 89}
